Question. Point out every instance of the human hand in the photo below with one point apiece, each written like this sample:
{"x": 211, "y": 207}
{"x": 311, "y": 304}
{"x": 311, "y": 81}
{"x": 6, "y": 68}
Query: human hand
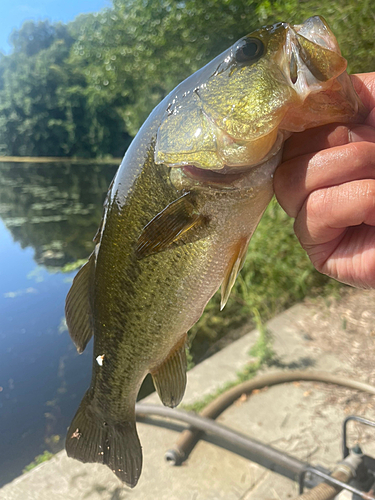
{"x": 327, "y": 183}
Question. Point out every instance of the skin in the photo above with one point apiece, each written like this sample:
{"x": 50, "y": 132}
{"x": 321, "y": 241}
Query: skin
{"x": 326, "y": 182}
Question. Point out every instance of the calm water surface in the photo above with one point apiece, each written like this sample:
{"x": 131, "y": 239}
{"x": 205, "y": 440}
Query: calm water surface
{"x": 48, "y": 217}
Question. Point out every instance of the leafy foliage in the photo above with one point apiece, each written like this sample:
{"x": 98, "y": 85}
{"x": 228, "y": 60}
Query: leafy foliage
{"x": 84, "y": 89}
{"x": 44, "y": 106}
{"x": 31, "y": 113}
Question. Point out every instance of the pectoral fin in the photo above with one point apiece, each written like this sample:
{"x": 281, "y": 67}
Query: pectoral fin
{"x": 77, "y": 306}
{"x": 169, "y": 225}
{"x": 170, "y": 378}
{"x": 234, "y": 267}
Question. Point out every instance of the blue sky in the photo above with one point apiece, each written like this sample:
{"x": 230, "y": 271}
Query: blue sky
{"x": 14, "y": 12}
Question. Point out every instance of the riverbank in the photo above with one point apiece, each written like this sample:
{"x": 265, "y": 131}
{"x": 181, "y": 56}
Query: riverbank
{"x": 58, "y": 159}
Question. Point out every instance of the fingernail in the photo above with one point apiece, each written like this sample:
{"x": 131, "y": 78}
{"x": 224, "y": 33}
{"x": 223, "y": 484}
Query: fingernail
{"x": 362, "y": 133}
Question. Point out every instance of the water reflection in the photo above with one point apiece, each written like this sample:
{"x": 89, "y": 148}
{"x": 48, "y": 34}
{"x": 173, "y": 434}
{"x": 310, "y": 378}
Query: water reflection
{"x": 53, "y": 208}
{"x": 49, "y": 215}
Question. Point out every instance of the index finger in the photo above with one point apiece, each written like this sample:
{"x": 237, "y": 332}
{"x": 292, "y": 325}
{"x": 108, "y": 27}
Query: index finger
{"x": 326, "y": 137}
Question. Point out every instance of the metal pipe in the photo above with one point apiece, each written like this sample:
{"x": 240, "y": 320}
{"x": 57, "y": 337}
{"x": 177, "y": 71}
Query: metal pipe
{"x": 324, "y": 491}
{"x": 262, "y": 454}
{"x": 189, "y": 437}
{"x": 265, "y": 455}
{"x": 334, "y": 481}
{"x": 355, "y": 418}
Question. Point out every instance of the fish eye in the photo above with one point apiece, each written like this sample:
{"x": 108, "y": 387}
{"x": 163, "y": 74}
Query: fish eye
{"x": 248, "y": 50}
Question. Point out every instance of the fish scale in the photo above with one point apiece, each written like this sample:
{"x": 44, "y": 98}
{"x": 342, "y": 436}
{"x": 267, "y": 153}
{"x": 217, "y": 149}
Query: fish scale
{"x": 179, "y": 216}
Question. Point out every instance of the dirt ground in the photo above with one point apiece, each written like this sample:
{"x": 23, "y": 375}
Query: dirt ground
{"x": 345, "y": 327}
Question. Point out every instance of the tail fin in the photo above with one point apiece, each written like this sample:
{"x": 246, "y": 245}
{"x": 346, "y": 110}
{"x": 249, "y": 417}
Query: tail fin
{"x": 90, "y": 439}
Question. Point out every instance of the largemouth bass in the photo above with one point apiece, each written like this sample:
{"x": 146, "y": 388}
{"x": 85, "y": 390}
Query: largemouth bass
{"x": 179, "y": 216}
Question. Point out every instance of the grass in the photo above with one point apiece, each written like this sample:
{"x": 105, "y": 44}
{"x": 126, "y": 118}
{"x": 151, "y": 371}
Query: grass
{"x": 277, "y": 274}
{"x": 262, "y": 351}
{"x": 46, "y": 455}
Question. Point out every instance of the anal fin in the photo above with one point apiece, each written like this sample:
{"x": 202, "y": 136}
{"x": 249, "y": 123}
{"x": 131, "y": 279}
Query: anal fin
{"x": 170, "y": 378}
{"x": 234, "y": 267}
{"x": 77, "y": 306}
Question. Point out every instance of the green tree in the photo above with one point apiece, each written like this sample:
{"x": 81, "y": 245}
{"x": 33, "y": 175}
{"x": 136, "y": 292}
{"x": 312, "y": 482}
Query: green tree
{"x": 34, "y": 37}
{"x": 32, "y": 119}
{"x": 45, "y": 109}
{"x": 85, "y": 88}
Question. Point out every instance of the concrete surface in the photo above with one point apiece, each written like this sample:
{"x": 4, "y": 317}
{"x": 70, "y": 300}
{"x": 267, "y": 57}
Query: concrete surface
{"x": 303, "y": 419}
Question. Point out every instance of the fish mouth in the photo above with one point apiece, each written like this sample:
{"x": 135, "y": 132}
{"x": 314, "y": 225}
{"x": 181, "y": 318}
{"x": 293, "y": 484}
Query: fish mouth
{"x": 312, "y": 56}
{"x": 313, "y": 66}
{"x": 212, "y": 177}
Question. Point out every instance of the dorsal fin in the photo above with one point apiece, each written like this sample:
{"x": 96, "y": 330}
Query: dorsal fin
{"x": 170, "y": 378}
{"x": 77, "y": 306}
{"x": 234, "y": 267}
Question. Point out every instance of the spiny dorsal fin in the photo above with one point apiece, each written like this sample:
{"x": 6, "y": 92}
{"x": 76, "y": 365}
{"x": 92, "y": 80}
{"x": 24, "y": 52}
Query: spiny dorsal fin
{"x": 169, "y": 225}
{"x": 77, "y": 306}
{"x": 91, "y": 439}
{"x": 234, "y": 267}
{"x": 170, "y": 378}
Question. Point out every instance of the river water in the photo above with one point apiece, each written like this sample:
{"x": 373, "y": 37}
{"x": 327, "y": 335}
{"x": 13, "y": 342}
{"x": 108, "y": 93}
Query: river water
{"x": 49, "y": 214}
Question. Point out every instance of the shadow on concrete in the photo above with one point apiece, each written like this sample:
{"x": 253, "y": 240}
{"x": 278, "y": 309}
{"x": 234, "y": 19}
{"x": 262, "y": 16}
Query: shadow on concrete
{"x": 300, "y": 364}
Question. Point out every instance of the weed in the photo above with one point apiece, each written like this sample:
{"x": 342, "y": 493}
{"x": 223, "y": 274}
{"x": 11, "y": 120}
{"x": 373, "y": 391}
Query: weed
{"x": 263, "y": 352}
{"x": 46, "y": 455}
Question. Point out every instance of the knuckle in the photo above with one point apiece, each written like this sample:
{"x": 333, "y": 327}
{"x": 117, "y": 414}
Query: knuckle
{"x": 289, "y": 185}
{"x": 370, "y": 199}
{"x": 363, "y": 153}
{"x": 318, "y": 203}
